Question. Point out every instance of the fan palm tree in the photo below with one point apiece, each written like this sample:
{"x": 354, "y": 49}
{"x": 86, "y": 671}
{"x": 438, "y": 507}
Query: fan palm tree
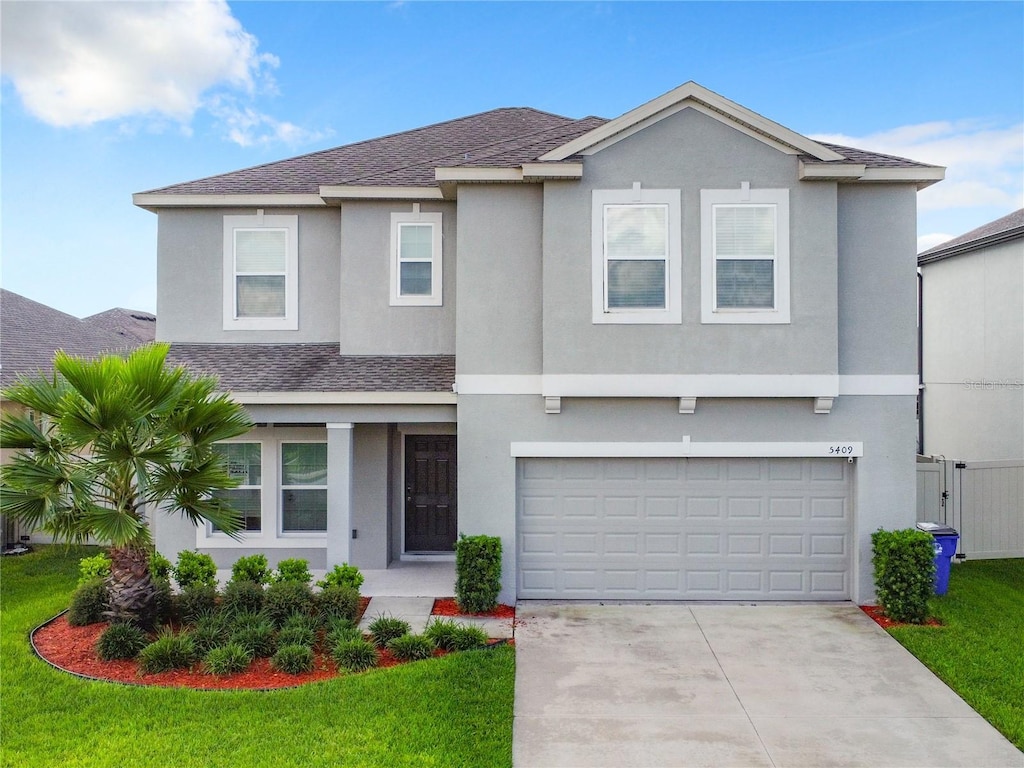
{"x": 102, "y": 441}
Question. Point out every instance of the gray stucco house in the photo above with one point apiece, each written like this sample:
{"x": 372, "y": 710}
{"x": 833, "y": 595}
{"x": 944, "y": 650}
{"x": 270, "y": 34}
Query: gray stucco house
{"x": 666, "y": 356}
{"x": 972, "y": 343}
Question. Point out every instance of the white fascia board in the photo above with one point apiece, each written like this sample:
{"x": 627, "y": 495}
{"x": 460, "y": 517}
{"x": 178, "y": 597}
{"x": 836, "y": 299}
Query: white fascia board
{"x": 842, "y": 449}
{"x": 152, "y": 201}
{"x": 465, "y": 174}
{"x": 878, "y": 384}
{"x": 352, "y": 192}
{"x": 814, "y": 171}
{"x": 498, "y": 384}
{"x": 923, "y": 177}
{"x": 696, "y": 93}
{"x": 344, "y": 398}
{"x": 698, "y": 385}
{"x": 541, "y": 171}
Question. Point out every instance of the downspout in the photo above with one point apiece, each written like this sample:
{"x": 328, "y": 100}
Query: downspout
{"x": 920, "y": 362}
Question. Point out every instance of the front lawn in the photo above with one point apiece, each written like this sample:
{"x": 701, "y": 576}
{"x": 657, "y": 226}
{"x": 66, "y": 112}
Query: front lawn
{"x": 452, "y": 711}
{"x": 979, "y": 652}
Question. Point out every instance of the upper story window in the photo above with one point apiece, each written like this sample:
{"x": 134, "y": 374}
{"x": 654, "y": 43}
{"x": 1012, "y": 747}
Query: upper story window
{"x": 637, "y": 256}
{"x": 416, "y": 259}
{"x": 744, "y": 255}
{"x": 261, "y": 272}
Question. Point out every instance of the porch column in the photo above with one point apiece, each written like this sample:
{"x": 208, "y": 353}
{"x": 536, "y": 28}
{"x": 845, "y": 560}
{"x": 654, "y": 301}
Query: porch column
{"x": 339, "y": 493}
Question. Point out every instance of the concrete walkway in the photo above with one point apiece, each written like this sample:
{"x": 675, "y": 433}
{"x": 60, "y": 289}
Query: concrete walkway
{"x": 728, "y": 685}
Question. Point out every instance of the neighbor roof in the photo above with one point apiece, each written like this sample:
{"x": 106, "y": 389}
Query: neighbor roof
{"x": 314, "y": 368}
{"x": 31, "y": 332}
{"x": 132, "y": 324}
{"x": 501, "y": 138}
{"x": 1009, "y": 227}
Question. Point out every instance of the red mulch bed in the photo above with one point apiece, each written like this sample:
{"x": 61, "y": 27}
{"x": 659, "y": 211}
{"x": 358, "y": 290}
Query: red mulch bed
{"x": 875, "y": 612}
{"x": 446, "y": 606}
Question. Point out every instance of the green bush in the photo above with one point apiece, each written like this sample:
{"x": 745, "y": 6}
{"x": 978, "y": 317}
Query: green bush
{"x": 210, "y": 631}
{"x": 338, "y": 601}
{"x": 195, "y": 601}
{"x": 342, "y": 633}
{"x": 296, "y": 636}
{"x": 194, "y": 569}
{"x": 120, "y": 641}
{"x": 283, "y": 598}
{"x": 227, "y": 659}
{"x": 443, "y": 632}
{"x": 293, "y": 659}
{"x": 904, "y": 566}
{"x": 169, "y": 651}
{"x": 411, "y": 647}
{"x": 477, "y": 572}
{"x": 242, "y": 596}
{"x": 246, "y": 619}
{"x": 293, "y": 569}
{"x": 386, "y": 628}
{"x": 92, "y": 568}
{"x": 252, "y": 568}
{"x": 88, "y": 603}
{"x": 302, "y": 621}
{"x": 343, "y": 575}
{"x": 257, "y": 638}
{"x": 355, "y": 655}
{"x": 468, "y": 638}
{"x": 160, "y": 567}
{"x": 163, "y": 601}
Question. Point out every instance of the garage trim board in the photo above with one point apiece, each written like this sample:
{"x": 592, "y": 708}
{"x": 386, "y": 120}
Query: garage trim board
{"x": 848, "y": 449}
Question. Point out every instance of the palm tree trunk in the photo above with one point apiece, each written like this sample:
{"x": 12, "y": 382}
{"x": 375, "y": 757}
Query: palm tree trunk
{"x": 132, "y": 592}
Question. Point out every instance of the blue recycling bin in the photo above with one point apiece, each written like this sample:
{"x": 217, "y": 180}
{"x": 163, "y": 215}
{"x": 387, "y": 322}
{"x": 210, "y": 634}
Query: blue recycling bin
{"x": 946, "y": 539}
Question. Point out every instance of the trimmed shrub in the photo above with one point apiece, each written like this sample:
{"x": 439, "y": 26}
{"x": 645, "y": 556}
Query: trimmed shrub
{"x": 904, "y": 566}
{"x": 160, "y": 567}
{"x": 467, "y": 638}
{"x": 195, "y": 601}
{"x": 443, "y": 632}
{"x": 242, "y": 596}
{"x": 386, "y": 628}
{"x": 167, "y": 652}
{"x": 355, "y": 655}
{"x": 163, "y": 601}
{"x": 293, "y": 569}
{"x": 343, "y": 575}
{"x": 293, "y": 659}
{"x": 477, "y": 572}
{"x": 227, "y": 659}
{"x": 412, "y": 647}
{"x": 283, "y": 598}
{"x": 88, "y": 603}
{"x": 194, "y": 569}
{"x": 92, "y": 568}
{"x": 120, "y": 641}
{"x": 338, "y": 601}
{"x": 296, "y": 636}
{"x": 252, "y": 568}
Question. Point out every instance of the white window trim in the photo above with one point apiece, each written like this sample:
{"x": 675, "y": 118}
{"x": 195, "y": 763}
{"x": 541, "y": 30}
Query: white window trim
{"x": 281, "y": 487}
{"x": 673, "y": 311}
{"x": 290, "y": 321}
{"x": 709, "y": 198}
{"x": 434, "y": 299}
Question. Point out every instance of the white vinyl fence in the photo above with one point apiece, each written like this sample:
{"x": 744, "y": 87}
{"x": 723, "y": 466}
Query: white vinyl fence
{"x": 983, "y": 500}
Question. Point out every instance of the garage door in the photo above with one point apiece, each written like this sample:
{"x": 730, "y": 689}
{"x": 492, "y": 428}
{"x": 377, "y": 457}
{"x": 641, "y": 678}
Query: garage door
{"x": 684, "y": 529}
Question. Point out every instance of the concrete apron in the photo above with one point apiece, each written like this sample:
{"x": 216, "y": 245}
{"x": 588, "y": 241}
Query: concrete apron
{"x": 731, "y": 685}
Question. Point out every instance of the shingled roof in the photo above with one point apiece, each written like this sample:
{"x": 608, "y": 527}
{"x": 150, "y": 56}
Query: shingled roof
{"x": 314, "y": 368}
{"x": 501, "y": 138}
{"x": 131, "y": 324}
{"x": 31, "y": 332}
{"x": 1009, "y": 227}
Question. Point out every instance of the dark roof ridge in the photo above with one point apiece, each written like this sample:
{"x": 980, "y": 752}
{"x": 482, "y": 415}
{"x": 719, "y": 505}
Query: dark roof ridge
{"x": 842, "y": 150}
{"x": 356, "y": 144}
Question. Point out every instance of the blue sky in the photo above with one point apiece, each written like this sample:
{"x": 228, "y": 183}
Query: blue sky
{"x": 100, "y": 100}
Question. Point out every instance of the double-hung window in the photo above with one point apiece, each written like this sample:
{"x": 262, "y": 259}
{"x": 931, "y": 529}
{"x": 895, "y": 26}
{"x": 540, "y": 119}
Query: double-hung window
{"x": 244, "y": 464}
{"x": 303, "y": 487}
{"x": 260, "y": 272}
{"x": 745, "y": 255}
{"x": 637, "y": 256}
{"x": 416, "y": 265}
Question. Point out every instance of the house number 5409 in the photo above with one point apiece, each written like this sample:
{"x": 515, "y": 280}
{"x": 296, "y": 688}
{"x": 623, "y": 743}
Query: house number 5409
{"x": 840, "y": 450}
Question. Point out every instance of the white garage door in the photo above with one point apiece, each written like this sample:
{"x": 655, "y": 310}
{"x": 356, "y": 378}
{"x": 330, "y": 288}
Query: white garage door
{"x": 684, "y": 529}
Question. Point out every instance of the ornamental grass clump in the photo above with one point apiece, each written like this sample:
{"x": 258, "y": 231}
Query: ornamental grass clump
{"x": 227, "y": 659}
{"x": 355, "y": 655}
{"x": 257, "y": 639}
{"x": 293, "y": 659}
{"x": 169, "y": 651}
{"x": 468, "y": 638}
{"x": 904, "y": 569}
{"x": 296, "y": 635}
{"x": 411, "y": 647}
{"x": 477, "y": 572}
{"x": 121, "y": 641}
{"x": 443, "y": 632}
{"x": 210, "y": 631}
{"x": 384, "y": 629}
{"x": 88, "y": 603}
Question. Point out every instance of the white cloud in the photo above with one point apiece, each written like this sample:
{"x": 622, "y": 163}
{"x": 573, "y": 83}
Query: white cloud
{"x": 247, "y": 127}
{"x": 924, "y": 242}
{"x": 80, "y": 63}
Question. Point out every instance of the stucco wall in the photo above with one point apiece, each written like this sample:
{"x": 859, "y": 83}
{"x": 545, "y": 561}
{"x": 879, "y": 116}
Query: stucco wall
{"x": 973, "y": 354}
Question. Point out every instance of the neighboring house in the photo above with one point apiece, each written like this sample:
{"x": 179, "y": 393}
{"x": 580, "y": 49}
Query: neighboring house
{"x": 666, "y": 356}
{"x": 972, "y": 343}
{"x": 30, "y": 333}
{"x": 135, "y": 326}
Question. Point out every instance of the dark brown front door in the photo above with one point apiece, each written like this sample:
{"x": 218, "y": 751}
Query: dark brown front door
{"x": 430, "y": 493}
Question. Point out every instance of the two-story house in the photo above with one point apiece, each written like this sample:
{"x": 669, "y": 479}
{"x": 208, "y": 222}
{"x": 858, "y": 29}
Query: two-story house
{"x": 665, "y": 356}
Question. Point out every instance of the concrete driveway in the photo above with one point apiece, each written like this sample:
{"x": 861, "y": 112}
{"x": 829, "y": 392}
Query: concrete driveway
{"x": 730, "y": 685}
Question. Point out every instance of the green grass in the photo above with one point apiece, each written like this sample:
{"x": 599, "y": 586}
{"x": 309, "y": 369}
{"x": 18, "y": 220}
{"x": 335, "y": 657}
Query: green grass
{"x": 452, "y": 711}
{"x": 979, "y": 652}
